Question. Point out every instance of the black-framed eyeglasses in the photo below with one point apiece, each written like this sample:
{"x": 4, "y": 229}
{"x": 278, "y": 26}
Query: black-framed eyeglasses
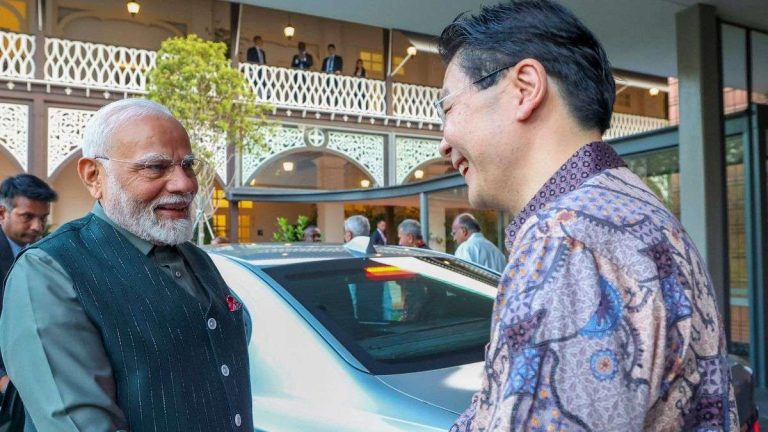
{"x": 155, "y": 169}
{"x": 438, "y": 104}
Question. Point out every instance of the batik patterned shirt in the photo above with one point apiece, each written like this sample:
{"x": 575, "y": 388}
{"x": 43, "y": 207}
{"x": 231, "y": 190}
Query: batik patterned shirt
{"x": 605, "y": 318}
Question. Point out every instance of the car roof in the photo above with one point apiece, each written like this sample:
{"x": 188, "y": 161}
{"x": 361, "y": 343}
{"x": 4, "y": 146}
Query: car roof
{"x": 272, "y": 254}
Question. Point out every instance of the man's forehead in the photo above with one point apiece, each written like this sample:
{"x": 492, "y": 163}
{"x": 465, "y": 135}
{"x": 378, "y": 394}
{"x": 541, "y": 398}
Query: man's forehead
{"x": 22, "y": 204}
{"x": 454, "y": 78}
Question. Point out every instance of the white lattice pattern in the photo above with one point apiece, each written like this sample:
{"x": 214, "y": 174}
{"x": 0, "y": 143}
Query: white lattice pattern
{"x": 413, "y": 152}
{"x": 17, "y": 55}
{"x": 14, "y": 131}
{"x": 627, "y": 124}
{"x": 315, "y": 90}
{"x": 365, "y": 149}
{"x": 217, "y": 144}
{"x": 414, "y": 102}
{"x": 277, "y": 140}
{"x": 97, "y": 65}
{"x": 65, "y": 134}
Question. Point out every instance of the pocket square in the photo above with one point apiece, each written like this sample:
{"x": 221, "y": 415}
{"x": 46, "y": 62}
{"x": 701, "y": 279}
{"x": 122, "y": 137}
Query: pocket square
{"x": 233, "y": 304}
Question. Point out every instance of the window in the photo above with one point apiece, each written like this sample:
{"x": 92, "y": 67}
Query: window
{"x": 372, "y": 61}
{"x": 244, "y": 229}
{"x": 219, "y": 199}
{"x": 398, "y": 314}
{"x": 220, "y": 225}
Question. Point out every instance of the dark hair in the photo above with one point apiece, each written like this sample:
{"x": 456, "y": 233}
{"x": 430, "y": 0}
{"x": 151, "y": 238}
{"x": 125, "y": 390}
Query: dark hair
{"x": 302, "y": 46}
{"x": 502, "y": 35}
{"x": 332, "y": 46}
{"x": 27, "y": 186}
{"x": 257, "y": 37}
{"x": 468, "y": 222}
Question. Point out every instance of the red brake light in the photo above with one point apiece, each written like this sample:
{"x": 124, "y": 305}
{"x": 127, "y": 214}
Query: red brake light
{"x": 386, "y": 272}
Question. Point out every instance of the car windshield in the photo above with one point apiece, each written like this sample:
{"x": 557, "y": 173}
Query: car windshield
{"x": 398, "y": 314}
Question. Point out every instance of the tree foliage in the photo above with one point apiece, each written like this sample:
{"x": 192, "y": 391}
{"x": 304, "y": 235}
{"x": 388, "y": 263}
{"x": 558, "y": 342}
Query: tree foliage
{"x": 194, "y": 79}
{"x": 291, "y": 232}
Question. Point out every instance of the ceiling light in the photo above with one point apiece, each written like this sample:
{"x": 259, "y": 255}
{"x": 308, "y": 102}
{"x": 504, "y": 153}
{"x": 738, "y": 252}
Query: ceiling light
{"x": 288, "y": 166}
{"x": 653, "y": 91}
{"x": 411, "y": 50}
{"x": 133, "y": 7}
{"x": 365, "y": 183}
{"x": 289, "y": 31}
{"x": 418, "y": 174}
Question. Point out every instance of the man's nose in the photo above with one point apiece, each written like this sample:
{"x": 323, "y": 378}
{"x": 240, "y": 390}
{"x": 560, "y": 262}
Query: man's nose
{"x": 181, "y": 181}
{"x": 37, "y": 225}
{"x": 445, "y": 148}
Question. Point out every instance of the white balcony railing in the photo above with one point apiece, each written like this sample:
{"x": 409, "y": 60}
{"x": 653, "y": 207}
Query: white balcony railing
{"x": 628, "y": 124}
{"x": 414, "y": 102}
{"x": 112, "y": 68}
{"x": 97, "y": 65}
{"x": 17, "y": 53}
{"x": 316, "y": 91}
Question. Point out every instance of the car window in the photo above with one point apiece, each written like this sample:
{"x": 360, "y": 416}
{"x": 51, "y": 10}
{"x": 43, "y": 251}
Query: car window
{"x": 398, "y": 314}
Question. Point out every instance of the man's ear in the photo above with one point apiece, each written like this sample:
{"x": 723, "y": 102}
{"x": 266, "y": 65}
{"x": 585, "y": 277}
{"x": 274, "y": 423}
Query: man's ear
{"x": 529, "y": 82}
{"x": 92, "y": 175}
{"x": 3, "y": 213}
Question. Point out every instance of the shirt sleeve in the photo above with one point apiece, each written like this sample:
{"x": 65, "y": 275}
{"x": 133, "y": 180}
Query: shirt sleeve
{"x": 52, "y": 351}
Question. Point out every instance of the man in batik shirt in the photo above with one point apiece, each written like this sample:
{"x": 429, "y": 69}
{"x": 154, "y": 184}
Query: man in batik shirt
{"x": 605, "y": 318}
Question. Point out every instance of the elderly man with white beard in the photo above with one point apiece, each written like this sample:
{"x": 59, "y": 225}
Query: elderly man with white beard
{"x": 115, "y": 321}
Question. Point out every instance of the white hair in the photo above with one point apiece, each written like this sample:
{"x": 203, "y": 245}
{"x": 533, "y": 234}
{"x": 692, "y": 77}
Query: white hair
{"x": 358, "y": 225}
{"x": 99, "y": 130}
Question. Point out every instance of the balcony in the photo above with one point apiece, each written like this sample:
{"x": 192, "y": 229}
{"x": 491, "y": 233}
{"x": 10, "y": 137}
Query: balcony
{"x": 106, "y": 69}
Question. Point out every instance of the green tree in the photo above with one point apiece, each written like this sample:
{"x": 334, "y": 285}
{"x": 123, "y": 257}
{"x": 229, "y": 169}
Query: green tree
{"x": 289, "y": 232}
{"x": 194, "y": 79}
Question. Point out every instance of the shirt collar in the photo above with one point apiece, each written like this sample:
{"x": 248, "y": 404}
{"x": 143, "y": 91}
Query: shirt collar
{"x": 587, "y": 162}
{"x": 144, "y": 246}
{"x": 15, "y": 247}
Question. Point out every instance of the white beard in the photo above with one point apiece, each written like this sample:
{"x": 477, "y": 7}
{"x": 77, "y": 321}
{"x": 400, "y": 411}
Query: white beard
{"x": 139, "y": 218}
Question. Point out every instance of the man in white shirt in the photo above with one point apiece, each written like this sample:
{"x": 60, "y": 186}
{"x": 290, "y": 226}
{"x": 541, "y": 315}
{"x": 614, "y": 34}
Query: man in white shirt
{"x": 473, "y": 246}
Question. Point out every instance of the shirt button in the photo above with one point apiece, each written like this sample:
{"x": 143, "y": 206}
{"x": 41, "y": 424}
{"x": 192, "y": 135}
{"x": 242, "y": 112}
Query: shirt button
{"x": 238, "y": 420}
{"x": 225, "y": 370}
{"x": 211, "y": 323}
{"x": 178, "y": 274}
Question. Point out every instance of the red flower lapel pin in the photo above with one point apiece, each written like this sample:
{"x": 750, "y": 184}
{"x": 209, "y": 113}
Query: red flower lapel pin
{"x": 233, "y": 304}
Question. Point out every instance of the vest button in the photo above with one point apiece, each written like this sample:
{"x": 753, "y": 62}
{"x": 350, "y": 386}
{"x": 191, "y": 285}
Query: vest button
{"x": 238, "y": 420}
{"x": 225, "y": 370}
{"x": 178, "y": 274}
{"x": 212, "y": 323}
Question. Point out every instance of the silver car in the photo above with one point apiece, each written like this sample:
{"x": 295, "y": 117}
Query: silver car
{"x": 347, "y": 341}
{"x": 389, "y": 340}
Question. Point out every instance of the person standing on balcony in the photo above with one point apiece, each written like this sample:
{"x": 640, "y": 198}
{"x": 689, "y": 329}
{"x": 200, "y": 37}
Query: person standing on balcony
{"x": 333, "y": 64}
{"x": 605, "y": 317}
{"x": 116, "y": 321}
{"x": 256, "y": 54}
{"x": 303, "y": 60}
{"x": 359, "y": 69}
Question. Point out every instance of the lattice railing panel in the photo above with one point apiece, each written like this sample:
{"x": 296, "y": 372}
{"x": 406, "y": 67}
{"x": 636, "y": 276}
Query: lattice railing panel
{"x": 17, "y": 55}
{"x": 315, "y": 90}
{"x": 14, "y": 131}
{"x": 413, "y": 152}
{"x": 627, "y": 124}
{"x": 414, "y": 102}
{"x": 97, "y": 65}
{"x": 65, "y": 134}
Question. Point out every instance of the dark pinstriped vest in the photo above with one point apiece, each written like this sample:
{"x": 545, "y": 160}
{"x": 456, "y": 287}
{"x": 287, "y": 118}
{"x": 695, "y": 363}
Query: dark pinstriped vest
{"x": 178, "y": 364}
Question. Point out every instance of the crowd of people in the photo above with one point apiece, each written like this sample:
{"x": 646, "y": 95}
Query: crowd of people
{"x": 332, "y": 64}
{"x": 605, "y": 317}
